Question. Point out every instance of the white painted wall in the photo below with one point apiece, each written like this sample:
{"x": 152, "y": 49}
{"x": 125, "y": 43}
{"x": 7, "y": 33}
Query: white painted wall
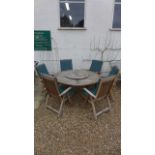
{"x": 75, "y": 44}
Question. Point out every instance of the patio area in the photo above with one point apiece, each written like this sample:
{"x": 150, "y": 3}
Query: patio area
{"x": 77, "y": 133}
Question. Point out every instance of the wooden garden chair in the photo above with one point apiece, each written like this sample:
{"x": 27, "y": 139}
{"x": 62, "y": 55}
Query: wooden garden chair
{"x": 102, "y": 91}
{"x": 55, "y": 91}
{"x": 41, "y": 69}
{"x": 96, "y": 66}
{"x": 113, "y": 72}
{"x": 66, "y": 64}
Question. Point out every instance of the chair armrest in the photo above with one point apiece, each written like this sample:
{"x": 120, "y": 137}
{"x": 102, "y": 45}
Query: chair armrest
{"x": 90, "y": 93}
{"x": 65, "y": 91}
{"x": 104, "y": 74}
{"x": 51, "y": 74}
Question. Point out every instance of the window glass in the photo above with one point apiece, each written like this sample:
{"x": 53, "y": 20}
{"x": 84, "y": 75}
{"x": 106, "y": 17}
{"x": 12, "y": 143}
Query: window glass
{"x": 117, "y": 16}
{"x": 72, "y": 0}
{"x": 117, "y": 0}
{"x": 72, "y": 14}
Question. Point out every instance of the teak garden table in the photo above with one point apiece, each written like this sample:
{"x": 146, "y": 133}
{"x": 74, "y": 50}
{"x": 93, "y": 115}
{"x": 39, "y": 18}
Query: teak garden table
{"x": 77, "y": 78}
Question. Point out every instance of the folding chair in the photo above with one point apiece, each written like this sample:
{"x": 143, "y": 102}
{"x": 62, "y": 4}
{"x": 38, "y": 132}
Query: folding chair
{"x": 66, "y": 64}
{"x": 99, "y": 92}
{"x": 41, "y": 69}
{"x": 114, "y": 71}
{"x": 55, "y": 91}
{"x": 96, "y": 66}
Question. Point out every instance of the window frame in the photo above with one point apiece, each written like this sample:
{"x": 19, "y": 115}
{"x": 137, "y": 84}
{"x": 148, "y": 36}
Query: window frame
{"x": 72, "y": 28}
{"x": 112, "y": 28}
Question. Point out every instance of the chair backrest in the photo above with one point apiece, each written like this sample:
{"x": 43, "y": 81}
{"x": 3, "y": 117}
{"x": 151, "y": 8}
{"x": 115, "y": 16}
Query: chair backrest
{"x": 96, "y": 66}
{"x": 41, "y": 69}
{"x": 36, "y": 63}
{"x": 66, "y": 64}
{"x": 50, "y": 84}
{"x": 105, "y": 86}
{"x": 114, "y": 71}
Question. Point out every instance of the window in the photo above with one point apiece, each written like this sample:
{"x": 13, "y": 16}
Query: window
{"x": 72, "y": 13}
{"x": 117, "y": 14}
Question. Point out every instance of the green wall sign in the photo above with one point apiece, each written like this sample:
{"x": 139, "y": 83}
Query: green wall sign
{"x": 42, "y": 41}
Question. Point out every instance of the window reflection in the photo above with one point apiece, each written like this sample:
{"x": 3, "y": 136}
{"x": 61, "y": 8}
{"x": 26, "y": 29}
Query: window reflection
{"x": 71, "y": 14}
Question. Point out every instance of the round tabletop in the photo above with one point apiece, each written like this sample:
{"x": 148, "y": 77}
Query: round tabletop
{"x": 77, "y": 78}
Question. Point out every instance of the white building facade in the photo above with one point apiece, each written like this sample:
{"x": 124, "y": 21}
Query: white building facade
{"x": 96, "y": 36}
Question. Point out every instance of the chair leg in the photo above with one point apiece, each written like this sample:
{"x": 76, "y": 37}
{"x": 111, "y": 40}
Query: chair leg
{"x": 47, "y": 98}
{"x": 94, "y": 110}
{"x": 109, "y": 103}
{"x": 53, "y": 109}
{"x": 101, "y": 111}
{"x": 111, "y": 96}
{"x": 61, "y": 106}
{"x": 69, "y": 99}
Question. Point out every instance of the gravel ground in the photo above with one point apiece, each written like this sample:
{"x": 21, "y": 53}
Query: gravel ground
{"x": 77, "y": 133}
